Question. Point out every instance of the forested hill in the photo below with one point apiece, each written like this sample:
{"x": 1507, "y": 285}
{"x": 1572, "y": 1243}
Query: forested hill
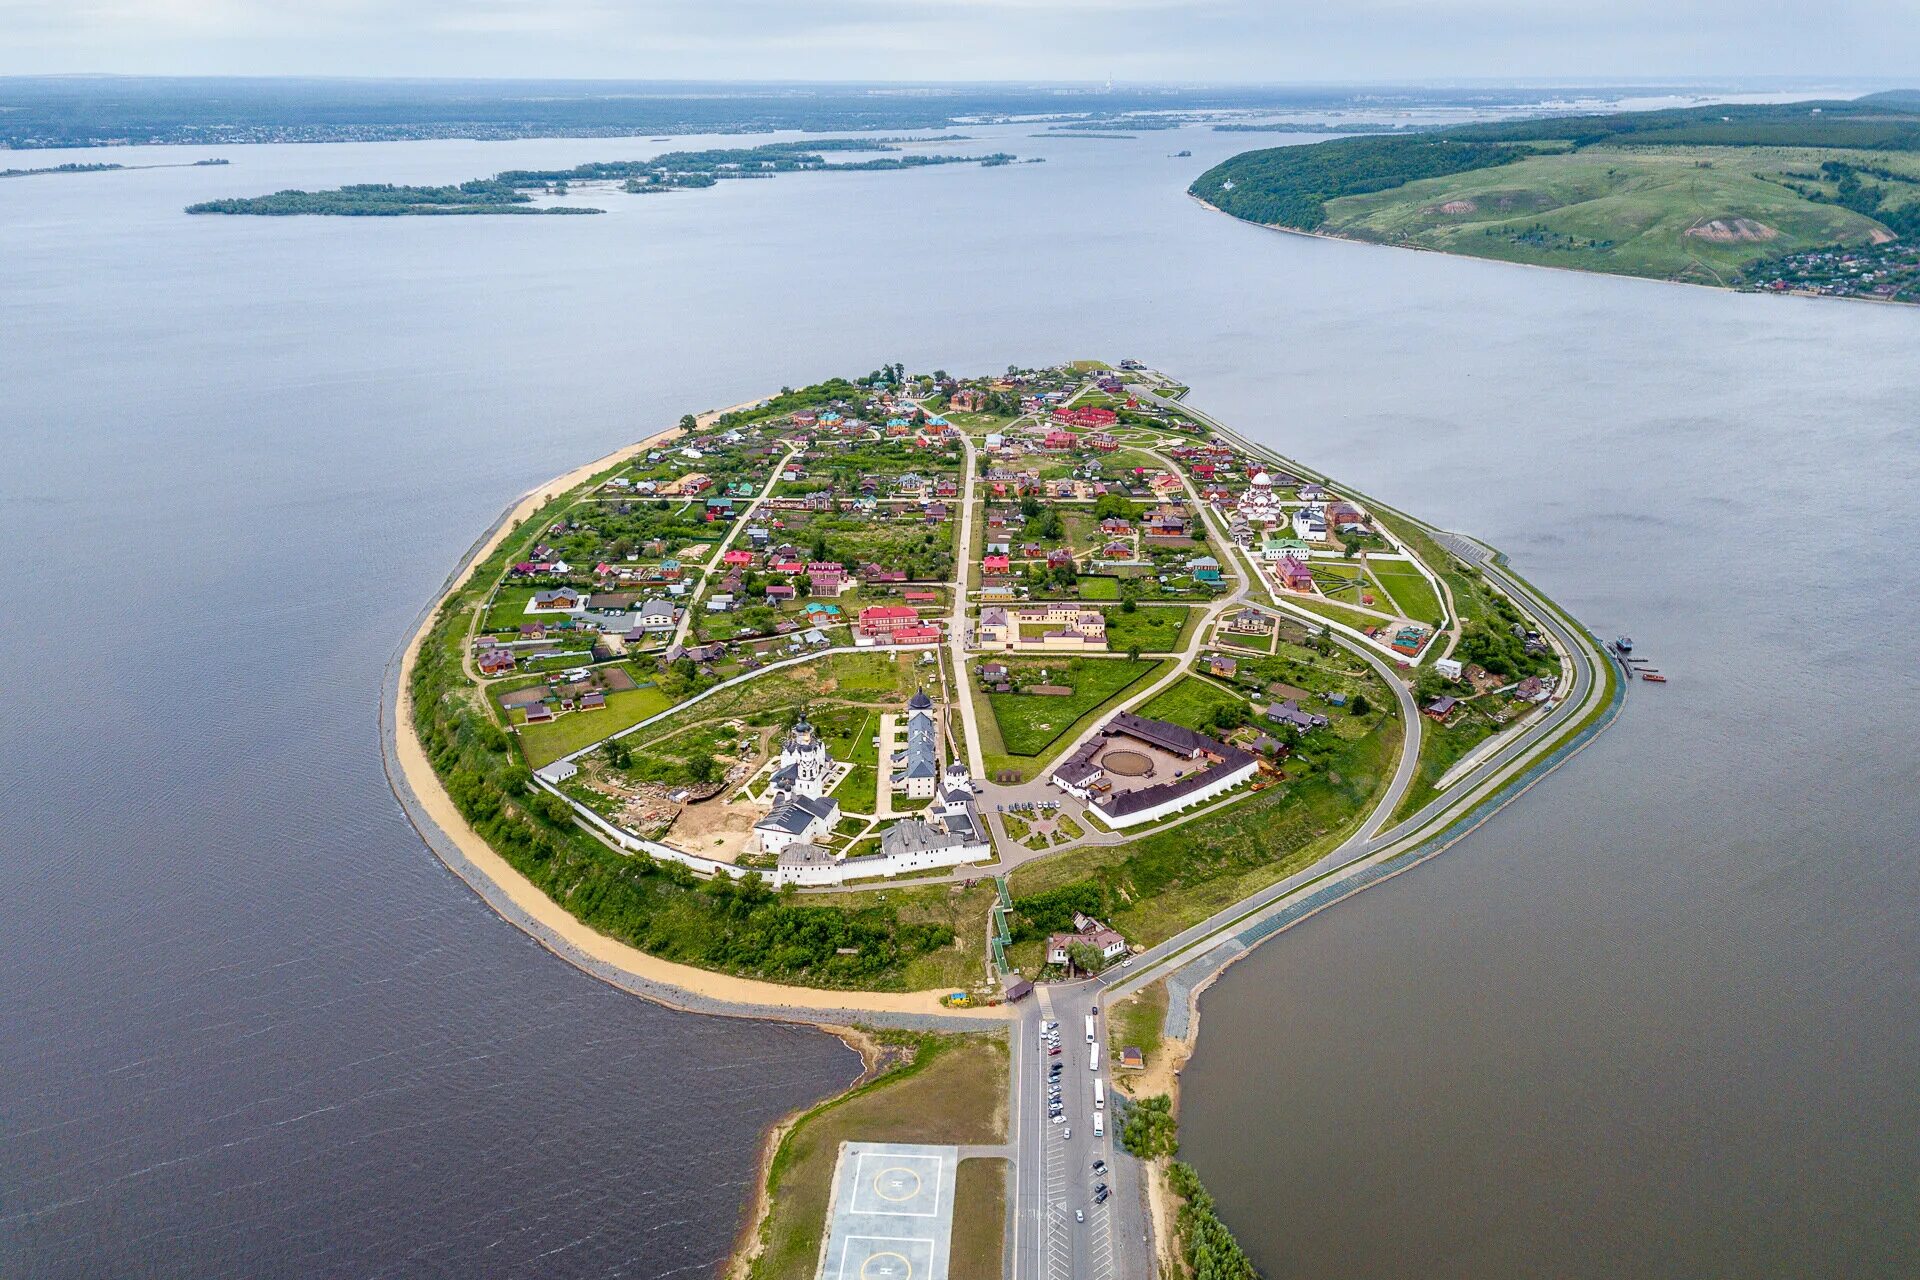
{"x": 1291, "y": 186}
{"x": 1808, "y": 197}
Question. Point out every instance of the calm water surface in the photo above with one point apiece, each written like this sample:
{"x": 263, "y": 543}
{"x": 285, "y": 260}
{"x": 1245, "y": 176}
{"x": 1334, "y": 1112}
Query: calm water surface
{"x": 1660, "y": 1018}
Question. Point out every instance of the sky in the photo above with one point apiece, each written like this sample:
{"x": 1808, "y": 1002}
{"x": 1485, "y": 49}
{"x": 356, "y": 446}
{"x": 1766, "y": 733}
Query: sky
{"x": 1131, "y": 40}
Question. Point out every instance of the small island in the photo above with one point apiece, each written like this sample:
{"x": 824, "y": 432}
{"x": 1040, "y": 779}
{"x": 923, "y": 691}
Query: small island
{"x": 514, "y": 191}
{"x": 1813, "y": 198}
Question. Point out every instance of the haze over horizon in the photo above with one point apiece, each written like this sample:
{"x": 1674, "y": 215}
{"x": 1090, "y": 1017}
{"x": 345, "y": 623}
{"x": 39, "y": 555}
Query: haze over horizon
{"x": 1217, "y": 41}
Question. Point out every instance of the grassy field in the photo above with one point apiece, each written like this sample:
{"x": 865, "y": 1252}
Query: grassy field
{"x": 1190, "y": 701}
{"x": 566, "y": 734}
{"x": 882, "y": 680}
{"x": 1099, "y": 588}
{"x": 953, "y": 1091}
{"x": 1028, "y": 725}
{"x": 1150, "y": 628}
{"x": 979, "y": 1220}
{"x": 1137, "y": 1020}
{"x": 1630, "y": 210}
{"x": 1339, "y": 613}
{"x": 960, "y": 909}
{"x": 1413, "y": 593}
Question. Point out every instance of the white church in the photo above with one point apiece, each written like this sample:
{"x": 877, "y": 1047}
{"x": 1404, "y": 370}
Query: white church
{"x": 1260, "y": 505}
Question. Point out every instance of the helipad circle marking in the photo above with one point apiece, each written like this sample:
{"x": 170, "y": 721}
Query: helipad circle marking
{"x": 897, "y": 1170}
{"x": 906, "y": 1272}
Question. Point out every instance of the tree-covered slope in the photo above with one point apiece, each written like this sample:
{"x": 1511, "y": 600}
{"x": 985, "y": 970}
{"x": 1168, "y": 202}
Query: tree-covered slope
{"x": 1710, "y": 194}
{"x": 1290, "y": 186}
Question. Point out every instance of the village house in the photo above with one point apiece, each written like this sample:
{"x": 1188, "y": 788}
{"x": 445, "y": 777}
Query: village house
{"x": 1293, "y": 574}
{"x": 1289, "y": 713}
{"x": 559, "y": 600}
{"x": 1250, "y": 622}
{"x": 1108, "y": 943}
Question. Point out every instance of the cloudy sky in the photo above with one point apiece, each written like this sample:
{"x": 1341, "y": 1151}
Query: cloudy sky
{"x": 1247, "y": 40}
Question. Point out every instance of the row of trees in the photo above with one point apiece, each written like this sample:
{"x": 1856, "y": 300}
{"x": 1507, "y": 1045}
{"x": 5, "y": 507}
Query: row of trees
{"x": 1206, "y": 1242}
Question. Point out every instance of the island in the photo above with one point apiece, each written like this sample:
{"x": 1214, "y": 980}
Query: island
{"x": 983, "y": 720}
{"x": 1811, "y": 198}
{"x": 76, "y": 167}
{"x": 513, "y": 191}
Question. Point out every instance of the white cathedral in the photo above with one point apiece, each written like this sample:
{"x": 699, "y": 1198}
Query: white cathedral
{"x": 1259, "y": 504}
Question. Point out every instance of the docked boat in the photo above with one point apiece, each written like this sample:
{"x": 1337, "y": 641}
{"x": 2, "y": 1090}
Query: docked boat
{"x": 1653, "y": 677}
{"x": 1624, "y": 644}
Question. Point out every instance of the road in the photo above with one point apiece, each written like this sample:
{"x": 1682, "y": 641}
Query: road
{"x": 714, "y": 562}
{"x": 1053, "y": 1163}
{"x": 957, "y": 624}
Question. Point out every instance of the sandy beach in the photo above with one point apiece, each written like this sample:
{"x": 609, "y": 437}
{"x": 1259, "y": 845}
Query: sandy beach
{"x": 754, "y": 996}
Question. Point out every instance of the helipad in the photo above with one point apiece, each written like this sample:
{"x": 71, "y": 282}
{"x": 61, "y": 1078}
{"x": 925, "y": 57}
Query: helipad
{"x": 891, "y": 1213}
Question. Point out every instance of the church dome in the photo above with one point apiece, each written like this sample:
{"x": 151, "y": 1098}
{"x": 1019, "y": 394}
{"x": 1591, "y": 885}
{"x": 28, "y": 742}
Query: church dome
{"x": 920, "y": 701}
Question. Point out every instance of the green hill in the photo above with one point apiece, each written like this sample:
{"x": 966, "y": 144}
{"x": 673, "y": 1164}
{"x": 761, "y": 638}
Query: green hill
{"x": 1715, "y": 195}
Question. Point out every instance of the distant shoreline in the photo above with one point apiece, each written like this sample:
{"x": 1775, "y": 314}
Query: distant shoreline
{"x": 1807, "y": 295}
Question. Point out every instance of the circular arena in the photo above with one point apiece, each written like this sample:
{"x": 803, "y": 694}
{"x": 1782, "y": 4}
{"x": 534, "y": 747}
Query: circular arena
{"x": 1125, "y": 763}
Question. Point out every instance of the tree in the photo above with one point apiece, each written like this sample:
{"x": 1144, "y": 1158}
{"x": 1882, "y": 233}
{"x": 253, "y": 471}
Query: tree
{"x": 1133, "y": 653}
{"x": 1359, "y": 704}
{"x": 688, "y": 422}
{"x": 1084, "y": 956}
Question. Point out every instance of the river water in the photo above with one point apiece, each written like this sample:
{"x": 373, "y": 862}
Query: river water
{"x": 1658, "y": 1018}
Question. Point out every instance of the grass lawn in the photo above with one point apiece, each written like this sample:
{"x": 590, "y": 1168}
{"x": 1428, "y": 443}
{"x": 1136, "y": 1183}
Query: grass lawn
{"x": 1409, "y": 590}
{"x": 859, "y": 791}
{"x": 1347, "y": 581}
{"x": 979, "y": 1220}
{"x": 1028, "y": 724}
{"x": 566, "y": 734}
{"x": 1339, "y": 613}
{"x": 1149, "y": 628}
{"x": 1099, "y": 588}
{"x": 953, "y": 1091}
{"x": 1190, "y": 701}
